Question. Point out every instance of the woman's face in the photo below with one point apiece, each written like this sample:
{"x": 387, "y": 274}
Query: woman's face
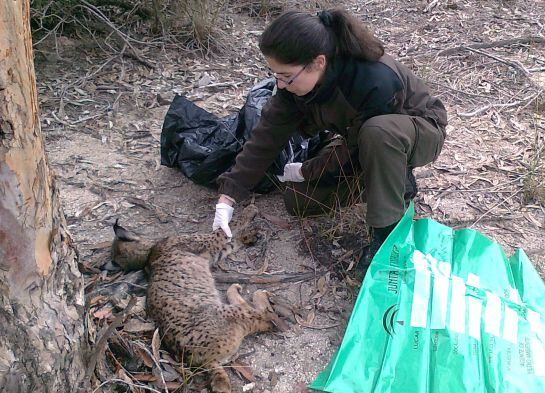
{"x": 298, "y": 79}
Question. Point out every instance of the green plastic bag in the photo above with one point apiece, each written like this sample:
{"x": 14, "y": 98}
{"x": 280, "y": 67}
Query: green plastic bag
{"x": 442, "y": 310}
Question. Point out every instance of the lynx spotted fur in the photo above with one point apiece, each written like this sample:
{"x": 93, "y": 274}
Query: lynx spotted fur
{"x": 184, "y": 302}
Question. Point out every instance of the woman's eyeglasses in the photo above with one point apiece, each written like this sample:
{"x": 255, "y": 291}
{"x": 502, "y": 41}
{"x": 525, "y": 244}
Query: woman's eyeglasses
{"x": 292, "y": 79}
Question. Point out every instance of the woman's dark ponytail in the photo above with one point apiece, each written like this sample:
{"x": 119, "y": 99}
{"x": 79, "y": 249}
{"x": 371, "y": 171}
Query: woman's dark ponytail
{"x": 297, "y": 37}
{"x": 352, "y": 37}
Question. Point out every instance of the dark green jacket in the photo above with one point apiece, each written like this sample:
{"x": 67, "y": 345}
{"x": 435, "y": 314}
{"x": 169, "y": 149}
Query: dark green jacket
{"x": 352, "y": 92}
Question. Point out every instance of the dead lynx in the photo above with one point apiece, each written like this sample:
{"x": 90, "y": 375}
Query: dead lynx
{"x": 184, "y": 302}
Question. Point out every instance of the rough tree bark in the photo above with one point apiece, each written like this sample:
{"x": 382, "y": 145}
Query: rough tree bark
{"x": 41, "y": 289}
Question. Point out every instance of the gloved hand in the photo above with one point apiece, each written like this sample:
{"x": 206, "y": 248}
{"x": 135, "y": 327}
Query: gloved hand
{"x": 292, "y": 172}
{"x": 223, "y": 216}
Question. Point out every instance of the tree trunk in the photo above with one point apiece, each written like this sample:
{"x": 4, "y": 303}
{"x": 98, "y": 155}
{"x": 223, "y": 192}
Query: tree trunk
{"x": 41, "y": 289}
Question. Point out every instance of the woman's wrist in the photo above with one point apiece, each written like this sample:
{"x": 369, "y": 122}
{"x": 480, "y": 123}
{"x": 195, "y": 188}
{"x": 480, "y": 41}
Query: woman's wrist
{"x": 226, "y": 199}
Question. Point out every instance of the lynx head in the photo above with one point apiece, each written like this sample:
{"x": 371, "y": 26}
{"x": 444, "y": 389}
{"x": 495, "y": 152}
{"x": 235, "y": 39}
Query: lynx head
{"x": 128, "y": 250}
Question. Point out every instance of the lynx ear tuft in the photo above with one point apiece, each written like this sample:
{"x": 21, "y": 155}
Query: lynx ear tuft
{"x": 121, "y": 233}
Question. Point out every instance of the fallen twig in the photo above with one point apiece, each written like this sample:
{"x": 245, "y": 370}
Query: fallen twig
{"x": 221, "y": 84}
{"x": 117, "y": 380}
{"x": 493, "y": 44}
{"x": 59, "y": 120}
{"x": 484, "y": 45}
{"x": 320, "y": 327}
{"x": 431, "y": 5}
{"x": 512, "y": 63}
{"x": 229, "y": 278}
{"x": 102, "y": 342}
{"x": 495, "y": 206}
{"x": 126, "y": 38}
{"x": 478, "y": 111}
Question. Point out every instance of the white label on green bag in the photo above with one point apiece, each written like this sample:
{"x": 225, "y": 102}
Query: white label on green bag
{"x": 440, "y": 297}
{"x": 511, "y": 321}
{"x": 475, "y": 308}
{"x": 421, "y": 295}
{"x": 534, "y": 321}
{"x": 514, "y": 296}
{"x": 461, "y": 305}
{"x": 510, "y": 325}
{"x": 492, "y": 314}
{"x": 458, "y": 305}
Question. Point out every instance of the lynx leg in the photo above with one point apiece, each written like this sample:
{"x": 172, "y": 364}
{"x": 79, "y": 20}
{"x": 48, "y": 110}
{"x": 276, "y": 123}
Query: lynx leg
{"x": 233, "y": 295}
{"x": 219, "y": 259}
{"x": 219, "y": 380}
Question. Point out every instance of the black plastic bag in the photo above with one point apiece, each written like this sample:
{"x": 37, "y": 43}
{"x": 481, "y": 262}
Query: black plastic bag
{"x": 204, "y": 146}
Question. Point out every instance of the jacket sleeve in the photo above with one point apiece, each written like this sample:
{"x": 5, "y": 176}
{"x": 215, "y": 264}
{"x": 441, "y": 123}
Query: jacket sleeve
{"x": 280, "y": 118}
{"x": 419, "y": 101}
{"x": 416, "y": 99}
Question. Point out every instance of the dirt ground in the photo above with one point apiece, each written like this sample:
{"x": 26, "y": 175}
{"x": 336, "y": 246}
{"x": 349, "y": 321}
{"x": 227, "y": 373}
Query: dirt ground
{"x": 102, "y": 120}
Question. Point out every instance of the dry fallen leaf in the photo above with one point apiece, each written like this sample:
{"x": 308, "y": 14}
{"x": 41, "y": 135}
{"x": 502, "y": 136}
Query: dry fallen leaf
{"x": 169, "y": 385}
{"x": 103, "y": 313}
{"x": 264, "y": 267}
{"x": 166, "y": 373}
{"x": 123, "y": 375}
{"x": 310, "y": 317}
{"x": 145, "y": 377}
{"x": 136, "y": 326}
{"x": 155, "y": 344}
{"x": 146, "y": 358}
{"x": 351, "y": 265}
{"x": 277, "y": 221}
{"x": 97, "y": 299}
{"x": 242, "y": 370}
{"x": 322, "y": 286}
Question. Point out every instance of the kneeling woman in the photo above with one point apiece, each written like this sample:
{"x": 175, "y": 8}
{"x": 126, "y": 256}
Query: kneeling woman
{"x": 332, "y": 74}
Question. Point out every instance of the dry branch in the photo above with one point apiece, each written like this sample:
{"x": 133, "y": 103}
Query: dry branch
{"x": 124, "y": 37}
{"x": 512, "y": 63}
{"x": 484, "y": 45}
{"x": 494, "y": 44}
{"x": 511, "y": 195}
{"x": 132, "y": 385}
{"x": 241, "y": 278}
{"x": 483, "y": 109}
{"x": 102, "y": 342}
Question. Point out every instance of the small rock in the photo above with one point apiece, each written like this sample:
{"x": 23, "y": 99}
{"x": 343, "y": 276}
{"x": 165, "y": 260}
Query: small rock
{"x": 205, "y": 80}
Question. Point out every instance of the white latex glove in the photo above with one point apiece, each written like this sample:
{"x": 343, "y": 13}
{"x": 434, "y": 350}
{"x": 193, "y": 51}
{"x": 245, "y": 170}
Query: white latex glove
{"x": 223, "y": 216}
{"x": 292, "y": 172}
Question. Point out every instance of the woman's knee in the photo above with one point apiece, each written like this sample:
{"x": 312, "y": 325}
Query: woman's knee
{"x": 386, "y": 130}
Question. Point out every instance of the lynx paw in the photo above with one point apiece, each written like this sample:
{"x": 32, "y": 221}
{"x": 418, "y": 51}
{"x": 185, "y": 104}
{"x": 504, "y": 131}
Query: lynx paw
{"x": 220, "y": 382}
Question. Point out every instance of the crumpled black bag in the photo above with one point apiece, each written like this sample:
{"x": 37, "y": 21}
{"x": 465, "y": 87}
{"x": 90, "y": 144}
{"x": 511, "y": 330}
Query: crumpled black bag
{"x": 204, "y": 146}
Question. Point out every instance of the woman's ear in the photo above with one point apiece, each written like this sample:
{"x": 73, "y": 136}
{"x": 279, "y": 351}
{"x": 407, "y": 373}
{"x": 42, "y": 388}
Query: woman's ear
{"x": 320, "y": 62}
